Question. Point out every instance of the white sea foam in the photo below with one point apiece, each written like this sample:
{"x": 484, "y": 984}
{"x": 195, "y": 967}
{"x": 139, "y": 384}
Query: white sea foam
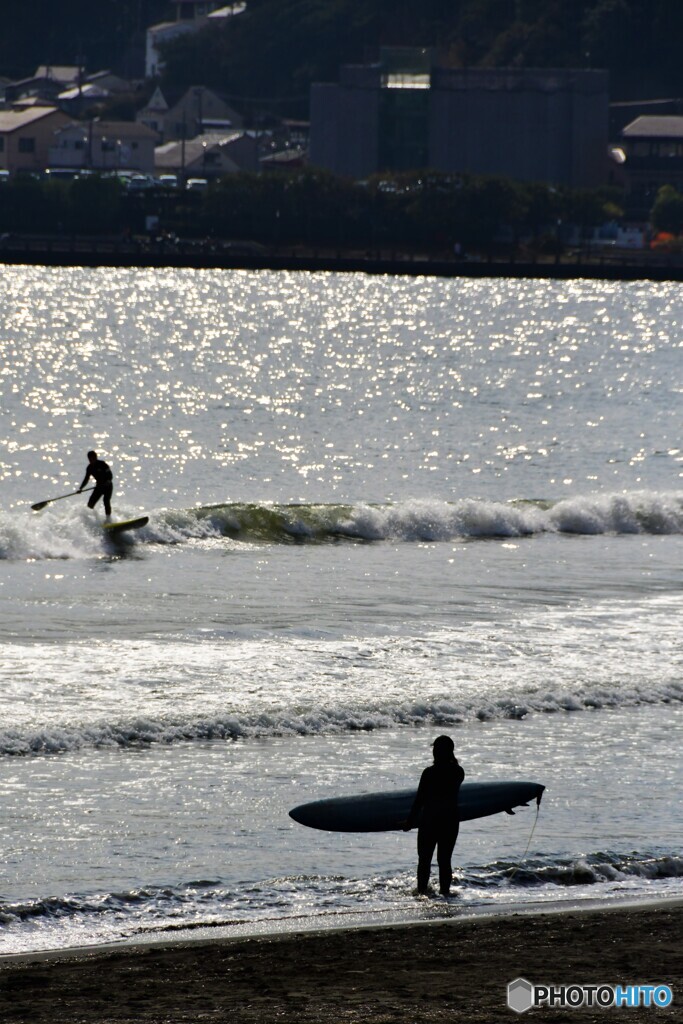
{"x": 59, "y": 738}
{"x": 60, "y": 535}
{"x": 205, "y": 903}
{"x": 431, "y": 520}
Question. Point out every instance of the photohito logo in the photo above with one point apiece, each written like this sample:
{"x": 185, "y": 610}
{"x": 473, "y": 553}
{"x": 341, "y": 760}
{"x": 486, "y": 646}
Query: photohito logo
{"x": 522, "y": 996}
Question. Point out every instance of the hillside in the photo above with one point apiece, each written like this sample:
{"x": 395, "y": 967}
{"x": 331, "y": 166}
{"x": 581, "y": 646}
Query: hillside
{"x": 99, "y": 34}
{"x": 273, "y": 51}
{"x": 278, "y": 47}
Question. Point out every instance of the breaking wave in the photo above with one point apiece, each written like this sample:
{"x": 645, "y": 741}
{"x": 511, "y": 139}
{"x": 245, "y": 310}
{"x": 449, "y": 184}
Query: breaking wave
{"x": 62, "y": 738}
{"x": 57, "y": 535}
{"x": 591, "y": 869}
{"x": 426, "y": 521}
{"x": 75, "y": 919}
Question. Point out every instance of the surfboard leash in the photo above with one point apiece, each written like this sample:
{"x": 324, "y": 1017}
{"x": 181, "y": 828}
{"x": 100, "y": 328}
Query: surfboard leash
{"x": 531, "y": 836}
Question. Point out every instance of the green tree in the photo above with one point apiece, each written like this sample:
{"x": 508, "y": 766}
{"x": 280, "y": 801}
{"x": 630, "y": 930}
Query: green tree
{"x": 667, "y": 212}
{"x": 95, "y": 205}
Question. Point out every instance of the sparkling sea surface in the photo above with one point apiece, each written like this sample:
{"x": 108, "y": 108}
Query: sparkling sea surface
{"x": 380, "y": 509}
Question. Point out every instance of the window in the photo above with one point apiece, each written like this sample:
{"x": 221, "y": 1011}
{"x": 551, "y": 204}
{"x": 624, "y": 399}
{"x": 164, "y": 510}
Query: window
{"x": 27, "y": 145}
{"x": 2, "y": 143}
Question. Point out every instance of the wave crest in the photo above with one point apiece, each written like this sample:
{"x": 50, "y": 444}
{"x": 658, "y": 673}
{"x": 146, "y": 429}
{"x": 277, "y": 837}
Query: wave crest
{"x": 54, "y": 535}
{"x": 137, "y": 732}
{"x": 427, "y": 521}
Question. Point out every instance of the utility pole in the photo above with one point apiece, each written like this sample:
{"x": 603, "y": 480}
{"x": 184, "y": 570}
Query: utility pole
{"x": 182, "y": 151}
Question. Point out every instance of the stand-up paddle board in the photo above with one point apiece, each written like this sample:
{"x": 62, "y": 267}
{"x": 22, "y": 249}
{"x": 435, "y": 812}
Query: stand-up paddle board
{"x": 384, "y": 812}
{"x": 114, "y": 529}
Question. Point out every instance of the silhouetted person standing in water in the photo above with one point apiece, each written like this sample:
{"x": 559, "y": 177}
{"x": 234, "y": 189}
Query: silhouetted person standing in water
{"x": 104, "y": 482}
{"x": 435, "y": 812}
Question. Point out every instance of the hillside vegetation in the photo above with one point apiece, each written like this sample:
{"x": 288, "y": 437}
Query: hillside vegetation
{"x": 95, "y": 32}
{"x": 276, "y": 48}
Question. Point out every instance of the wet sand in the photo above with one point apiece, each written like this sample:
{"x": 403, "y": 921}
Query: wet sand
{"x": 450, "y": 971}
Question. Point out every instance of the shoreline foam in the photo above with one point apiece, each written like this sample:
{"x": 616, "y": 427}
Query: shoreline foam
{"x": 456, "y": 972}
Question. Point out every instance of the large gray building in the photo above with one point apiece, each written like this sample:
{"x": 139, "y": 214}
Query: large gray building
{"x": 404, "y": 113}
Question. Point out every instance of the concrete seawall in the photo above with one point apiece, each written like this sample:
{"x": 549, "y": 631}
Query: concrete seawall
{"x": 94, "y": 253}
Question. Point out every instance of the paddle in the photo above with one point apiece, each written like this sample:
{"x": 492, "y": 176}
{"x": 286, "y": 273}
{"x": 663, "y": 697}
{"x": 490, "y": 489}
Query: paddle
{"x": 41, "y": 504}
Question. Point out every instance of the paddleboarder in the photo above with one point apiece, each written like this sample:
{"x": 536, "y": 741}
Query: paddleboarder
{"x": 104, "y": 482}
{"x": 435, "y": 812}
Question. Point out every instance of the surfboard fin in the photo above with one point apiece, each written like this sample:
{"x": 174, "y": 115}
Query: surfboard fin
{"x": 512, "y": 812}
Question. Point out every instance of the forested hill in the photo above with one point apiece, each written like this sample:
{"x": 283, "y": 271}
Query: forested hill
{"x": 97, "y": 32}
{"x": 278, "y": 47}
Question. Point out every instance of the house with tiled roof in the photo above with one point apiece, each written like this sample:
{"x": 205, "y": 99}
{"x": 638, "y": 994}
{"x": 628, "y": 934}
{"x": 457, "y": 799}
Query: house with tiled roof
{"x": 26, "y": 135}
{"x": 45, "y": 84}
{"x": 104, "y": 146}
{"x": 210, "y": 155}
{"x": 198, "y": 109}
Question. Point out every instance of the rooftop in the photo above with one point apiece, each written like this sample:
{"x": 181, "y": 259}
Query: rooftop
{"x": 651, "y": 126}
{"x": 170, "y": 154}
{"x": 65, "y": 73}
{"x": 12, "y": 120}
{"x": 111, "y": 129}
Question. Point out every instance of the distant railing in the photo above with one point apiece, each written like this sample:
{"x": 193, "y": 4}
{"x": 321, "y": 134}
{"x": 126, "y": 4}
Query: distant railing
{"x": 172, "y": 251}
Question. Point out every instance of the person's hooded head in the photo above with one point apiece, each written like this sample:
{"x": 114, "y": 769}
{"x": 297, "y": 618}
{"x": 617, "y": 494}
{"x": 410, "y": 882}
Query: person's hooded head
{"x": 443, "y": 749}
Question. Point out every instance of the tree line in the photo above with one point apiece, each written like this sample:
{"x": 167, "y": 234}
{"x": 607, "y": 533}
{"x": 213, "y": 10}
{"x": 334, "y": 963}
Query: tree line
{"x": 424, "y": 211}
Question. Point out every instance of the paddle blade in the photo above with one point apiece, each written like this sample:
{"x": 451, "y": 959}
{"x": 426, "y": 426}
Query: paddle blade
{"x": 40, "y": 504}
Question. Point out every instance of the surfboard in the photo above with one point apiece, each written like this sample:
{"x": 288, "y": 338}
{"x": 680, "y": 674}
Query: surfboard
{"x": 113, "y": 529}
{"x": 384, "y": 812}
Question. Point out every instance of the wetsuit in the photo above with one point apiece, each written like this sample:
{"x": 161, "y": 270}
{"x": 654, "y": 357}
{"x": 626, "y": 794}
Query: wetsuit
{"x": 104, "y": 484}
{"x": 435, "y": 811}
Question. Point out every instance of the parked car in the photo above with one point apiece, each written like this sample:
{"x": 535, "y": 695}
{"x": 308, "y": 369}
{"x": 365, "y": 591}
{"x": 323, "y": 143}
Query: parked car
{"x": 61, "y": 173}
{"x": 140, "y": 183}
{"x": 168, "y": 180}
{"x": 196, "y": 184}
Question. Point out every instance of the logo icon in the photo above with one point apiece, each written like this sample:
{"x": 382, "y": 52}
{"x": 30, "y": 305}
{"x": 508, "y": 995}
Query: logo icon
{"x": 520, "y": 995}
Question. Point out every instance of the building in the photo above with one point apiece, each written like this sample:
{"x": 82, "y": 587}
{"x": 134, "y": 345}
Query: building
{"x": 196, "y": 10}
{"x": 653, "y": 152}
{"x": 210, "y": 155}
{"x": 284, "y": 160}
{"x": 103, "y": 146}
{"x": 622, "y": 112}
{"x": 76, "y": 100}
{"x": 189, "y": 16}
{"x": 157, "y": 37}
{"x": 406, "y": 113}
{"x": 26, "y": 136}
{"x": 45, "y": 85}
{"x": 198, "y": 109}
{"x": 91, "y": 90}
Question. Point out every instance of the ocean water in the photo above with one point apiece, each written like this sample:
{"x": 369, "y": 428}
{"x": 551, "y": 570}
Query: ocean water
{"x": 379, "y": 509}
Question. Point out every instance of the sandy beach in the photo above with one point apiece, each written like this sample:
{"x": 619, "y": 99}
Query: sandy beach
{"x": 447, "y": 971}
